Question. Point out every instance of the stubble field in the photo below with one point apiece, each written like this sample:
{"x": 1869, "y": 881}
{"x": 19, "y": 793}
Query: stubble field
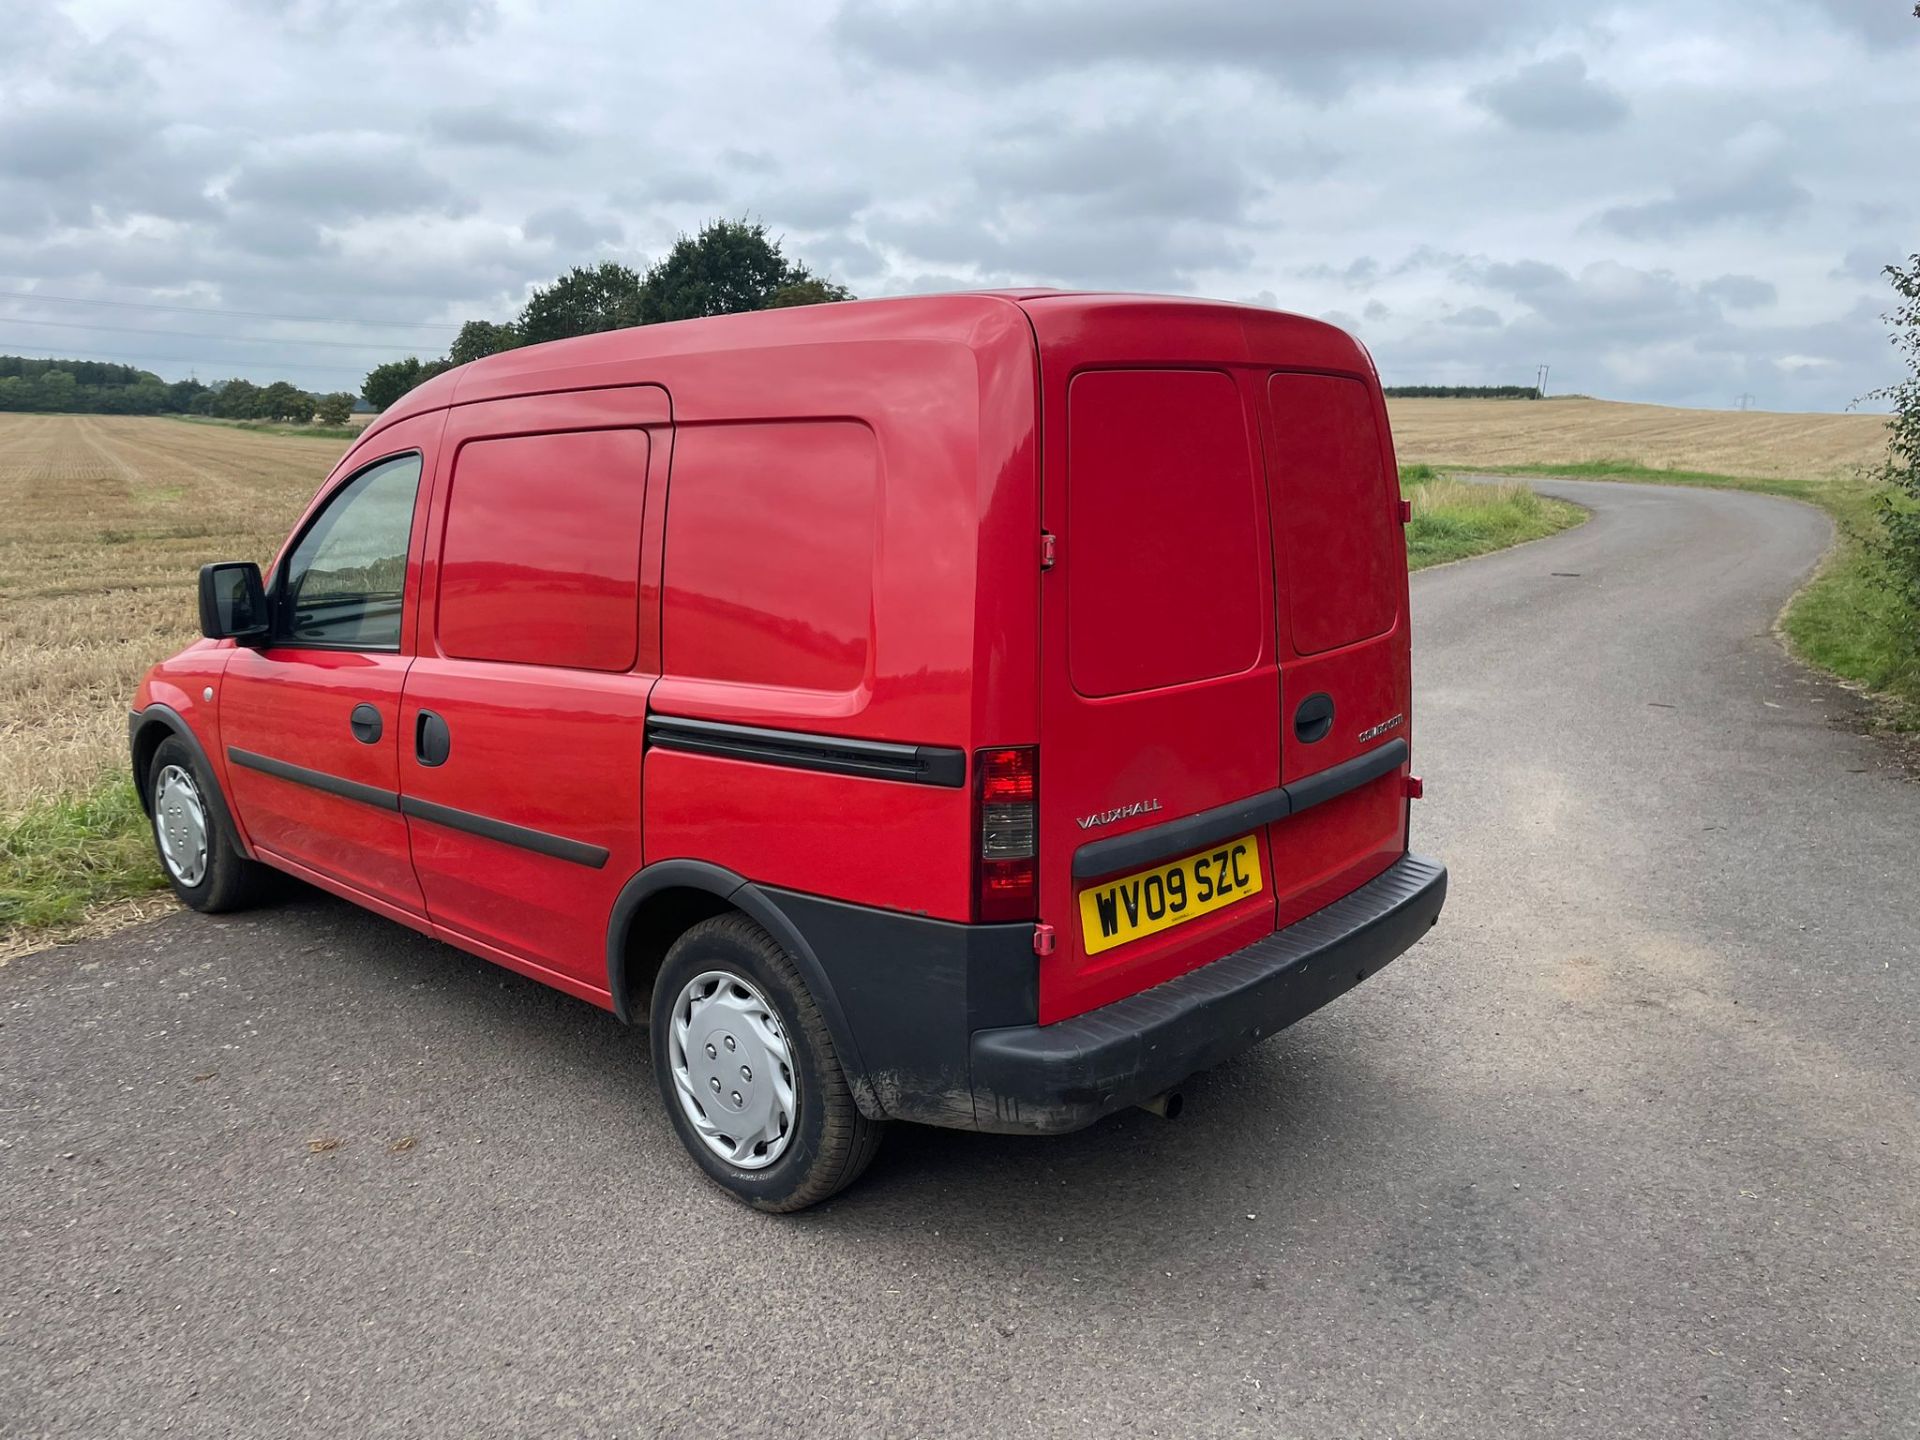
{"x": 104, "y": 524}
{"x": 1464, "y": 433}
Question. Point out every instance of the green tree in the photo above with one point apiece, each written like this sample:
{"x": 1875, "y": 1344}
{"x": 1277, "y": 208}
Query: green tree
{"x": 1900, "y": 501}
{"x": 730, "y": 266}
{"x": 236, "y": 400}
{"x": 335, "y": 409}
{"x": 482, "y": 337}
{"x": 581, "y": 302}
{"x": 283, "y": 400}
{"x": 387, "y": 383}
{"x": 811, "y": 291}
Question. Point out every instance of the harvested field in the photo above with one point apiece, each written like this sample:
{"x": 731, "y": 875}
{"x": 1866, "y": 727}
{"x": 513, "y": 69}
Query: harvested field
{"x": 1572, "y": 431}
{"x": 104, "y": 522}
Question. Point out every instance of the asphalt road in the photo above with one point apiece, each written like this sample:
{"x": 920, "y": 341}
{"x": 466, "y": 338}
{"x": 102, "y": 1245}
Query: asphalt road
{"x": 1630, "y": 1145}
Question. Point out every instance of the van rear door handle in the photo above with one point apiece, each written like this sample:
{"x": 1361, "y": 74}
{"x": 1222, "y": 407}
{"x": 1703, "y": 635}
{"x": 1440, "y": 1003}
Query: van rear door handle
{"x": 365, "y": 724}
{"x": 432, "y": 741}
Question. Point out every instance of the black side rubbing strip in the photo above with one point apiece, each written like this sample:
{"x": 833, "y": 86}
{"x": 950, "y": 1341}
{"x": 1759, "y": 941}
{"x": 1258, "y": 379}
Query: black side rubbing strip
{"x": 315, "y": 779}
{"x": 872, "y": 759}
{"x": 1177, "y": 837}
{"x": 538, "y": 841}
{"x": 1348, "y": 775}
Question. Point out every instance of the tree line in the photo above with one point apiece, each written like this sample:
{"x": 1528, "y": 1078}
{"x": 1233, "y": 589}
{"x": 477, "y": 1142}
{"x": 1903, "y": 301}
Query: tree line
{"x": 729, "y": 266}
{"x": 95, "y": 387}
{"x": 1463, "y": 392}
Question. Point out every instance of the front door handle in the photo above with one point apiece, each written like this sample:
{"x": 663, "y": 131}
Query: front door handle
{"x": 365, "y": 724}
{"x": 432, "y": 742}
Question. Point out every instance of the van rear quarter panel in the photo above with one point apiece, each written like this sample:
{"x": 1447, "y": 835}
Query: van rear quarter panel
{"x": 942, "y": 651}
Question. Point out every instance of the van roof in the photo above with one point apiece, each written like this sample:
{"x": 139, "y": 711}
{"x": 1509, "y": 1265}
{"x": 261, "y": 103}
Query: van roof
{"x": 964, "y": 317}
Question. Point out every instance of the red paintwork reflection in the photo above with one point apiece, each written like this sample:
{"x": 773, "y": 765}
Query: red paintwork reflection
{"x": 540, "y": 560}
{"x": 1334, "y": 511}
{"x": 1163, "y": 519}
{"x": 770, "y": 555}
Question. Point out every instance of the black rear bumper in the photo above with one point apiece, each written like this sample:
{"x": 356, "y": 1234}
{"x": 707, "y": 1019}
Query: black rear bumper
{"x": 1046, "y": 1079}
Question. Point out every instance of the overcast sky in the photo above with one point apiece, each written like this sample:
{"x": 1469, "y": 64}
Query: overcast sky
{"x": 1685, "y": 201}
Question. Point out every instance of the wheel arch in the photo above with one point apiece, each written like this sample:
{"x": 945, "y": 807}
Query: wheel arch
{"x": 666, "y": 899}
{"x": 147, "y": 730}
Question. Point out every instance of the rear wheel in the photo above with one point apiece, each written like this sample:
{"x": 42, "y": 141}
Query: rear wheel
{"x": 198, "y": 853}
{"x": 749, "y": 1073}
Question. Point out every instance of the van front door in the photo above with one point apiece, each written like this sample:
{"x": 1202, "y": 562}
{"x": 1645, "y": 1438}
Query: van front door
{"x": 309, "y": 722}
{"x": 524, "y": 715}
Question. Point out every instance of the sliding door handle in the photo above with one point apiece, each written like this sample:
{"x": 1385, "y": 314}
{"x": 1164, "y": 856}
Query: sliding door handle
{"x": 432, "y": 742}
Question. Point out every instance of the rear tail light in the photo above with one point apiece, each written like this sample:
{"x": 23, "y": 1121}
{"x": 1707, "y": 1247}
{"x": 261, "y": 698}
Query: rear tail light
{"x": 1007, "y": 808}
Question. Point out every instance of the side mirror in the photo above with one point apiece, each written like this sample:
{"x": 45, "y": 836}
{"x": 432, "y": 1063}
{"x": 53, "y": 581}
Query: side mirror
{"x": 233, "y": 602}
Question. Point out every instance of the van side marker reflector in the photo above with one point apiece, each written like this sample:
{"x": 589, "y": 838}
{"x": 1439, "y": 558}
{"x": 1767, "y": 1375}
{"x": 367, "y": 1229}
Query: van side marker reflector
{"x": 1043, "y": 939}
{"x": 1406, "y": 512}
{"x": 1415, "y": 789}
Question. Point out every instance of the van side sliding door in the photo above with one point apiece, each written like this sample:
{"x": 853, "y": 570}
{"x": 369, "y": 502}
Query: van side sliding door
{"x": 538, "y": 641}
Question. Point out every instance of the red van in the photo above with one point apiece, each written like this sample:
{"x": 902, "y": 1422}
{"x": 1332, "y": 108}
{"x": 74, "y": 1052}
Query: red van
{"x": 982, "y": 710}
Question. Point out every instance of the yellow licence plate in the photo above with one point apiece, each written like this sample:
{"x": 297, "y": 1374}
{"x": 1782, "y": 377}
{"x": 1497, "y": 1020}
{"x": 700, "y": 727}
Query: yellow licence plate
{"x": 1149, "y": 901}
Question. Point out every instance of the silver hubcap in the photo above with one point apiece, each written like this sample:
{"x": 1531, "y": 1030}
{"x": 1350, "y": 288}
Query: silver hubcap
{"x": 733, "y": 1070}
{"x": 180, "y": 821}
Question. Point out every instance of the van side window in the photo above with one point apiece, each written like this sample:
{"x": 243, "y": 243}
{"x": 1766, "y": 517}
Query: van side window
{"x": 540, "y": 561}
{"x": 345, "y": 577}
{"x": 770, "y": 554}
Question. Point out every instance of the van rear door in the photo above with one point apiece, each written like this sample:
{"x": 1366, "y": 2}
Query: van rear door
{"x": 1190, "y": 489}
{"x": 1341, "y": 573}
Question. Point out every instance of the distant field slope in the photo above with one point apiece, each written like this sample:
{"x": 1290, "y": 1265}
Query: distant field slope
{"x": 1555, "y": 432}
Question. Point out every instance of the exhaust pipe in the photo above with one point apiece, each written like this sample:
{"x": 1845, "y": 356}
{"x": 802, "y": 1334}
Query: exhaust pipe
{"x": 1167, "y": 1105}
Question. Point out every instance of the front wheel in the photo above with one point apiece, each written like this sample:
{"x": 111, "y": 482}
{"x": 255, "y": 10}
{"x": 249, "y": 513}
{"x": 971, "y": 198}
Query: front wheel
{"x": 749, "y": 1073}
{"x": 199, "y": 855}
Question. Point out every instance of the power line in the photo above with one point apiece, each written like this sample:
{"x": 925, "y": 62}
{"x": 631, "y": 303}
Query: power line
{"x": 211, "y": 310}
{"x": 194, "y": 360}
{"x": 210, "y": 335}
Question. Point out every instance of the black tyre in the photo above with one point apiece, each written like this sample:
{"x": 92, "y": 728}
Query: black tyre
{"x": 198, "y": 853}
{"x": 748, "y": 1071}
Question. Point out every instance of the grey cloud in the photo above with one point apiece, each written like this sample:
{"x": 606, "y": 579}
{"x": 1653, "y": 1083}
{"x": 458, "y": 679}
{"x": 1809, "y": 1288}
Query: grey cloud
{"x": 1315, "y": 46}
{"x": 60, "y": 141}
{"x": 1867, "y": 262}
{"x": 1880, "y": 22}
{"x": 435, "y": 20}
{"x": 1741, "y": 292}
{"x": 567, "y": 228}
{"x": 1376, "y": 312}
{"x": 1555, "y": 94}
{"x": 1132, "y": 169}
{"x": 341, "y": 178}
{"x": 1357, "y": 274}
{"x": 495, "y": 127}
{"x": 1123, "y": 254}
{"x": 672, "y": 186}
{"x": 813, "y": 207}
{"x": 1764, "y": 196}
{"x": 1475, "y": 317}
{"x": 756, "y": 162}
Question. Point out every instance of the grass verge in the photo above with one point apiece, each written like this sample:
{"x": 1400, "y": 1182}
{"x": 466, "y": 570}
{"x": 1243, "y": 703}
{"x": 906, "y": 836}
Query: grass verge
{"x": 1453, "y": 519}
{"x": 66, "y": 855}
{"x": 1845, "y": 620}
